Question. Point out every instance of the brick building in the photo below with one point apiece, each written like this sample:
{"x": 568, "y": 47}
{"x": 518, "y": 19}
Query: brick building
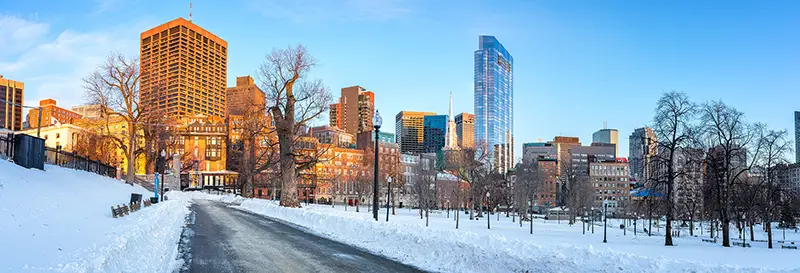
{"x": 610, "y": 181}
{"x": 354, "y": 111}
{"x": 245, "y": 97}
{"x": 50, "y": 113}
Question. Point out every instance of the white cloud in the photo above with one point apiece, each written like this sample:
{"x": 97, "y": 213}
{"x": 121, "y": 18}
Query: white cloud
{"x": 346, "y": 10}
{"x": 54, "y": 68}
{"x": 19, "y": 34}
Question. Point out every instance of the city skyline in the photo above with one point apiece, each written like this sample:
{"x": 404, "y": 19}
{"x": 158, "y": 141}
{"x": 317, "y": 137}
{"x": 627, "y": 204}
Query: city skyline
{"x": 630, "y": 67}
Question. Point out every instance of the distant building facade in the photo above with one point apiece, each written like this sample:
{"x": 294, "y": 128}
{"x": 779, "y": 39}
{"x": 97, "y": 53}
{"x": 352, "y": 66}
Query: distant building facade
{"x": 245, "y": 98}
{"x": 607, "y": 136}
{"x": 11, "y": 94}
{"x": 610, "y": 181}
{"x": 494, "y": 101}
{"x": 581, "y": 156}
{"x": 409, "y": 131}
{"x": 434, "y": 133}
{"x": 642, "y": 147}
{"x": 354, "y": 111}
{"x": 50, "y": 114}
{"x": 797, "y": 136}
{"x": 89, "y": 111}
{"x": 539, "y": 150}
{"x": 563, "y": 144}
{"x": 465, "y": 130}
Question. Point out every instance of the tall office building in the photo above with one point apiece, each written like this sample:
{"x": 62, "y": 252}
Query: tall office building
{"x": 607, "y": 136}
{"x": 354, "y": 111}
{"x": 563, "y": 144}
{"x": 797, "y": 136}
{"x": 465, "y": 130}
{"x": 494, "y": 101}
{"x": 434, "y": 133}
{"x": 184, "y": 70}
{"x": 11, "y": 94}
{"x": 245, "y": 97}
{"x": 50, "y": 114}
{"x": 409, "y": 131}
{"x": 643, "y": 145}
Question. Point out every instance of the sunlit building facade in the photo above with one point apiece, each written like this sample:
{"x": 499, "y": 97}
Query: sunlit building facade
{"x": 494, "y": 101}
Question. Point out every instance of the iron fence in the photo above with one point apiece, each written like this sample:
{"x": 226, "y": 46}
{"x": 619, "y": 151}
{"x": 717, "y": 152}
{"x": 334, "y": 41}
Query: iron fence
{"x": 74, "y": 161}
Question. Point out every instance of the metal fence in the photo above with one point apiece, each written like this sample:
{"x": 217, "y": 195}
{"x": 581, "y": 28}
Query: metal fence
{"x": 6, "y": 146}
{"x": 75, "y": 161}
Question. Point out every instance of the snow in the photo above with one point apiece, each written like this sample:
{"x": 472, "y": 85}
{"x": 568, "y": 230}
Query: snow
{"x": 507, "y": 247}
{"x": 60, "y": 220}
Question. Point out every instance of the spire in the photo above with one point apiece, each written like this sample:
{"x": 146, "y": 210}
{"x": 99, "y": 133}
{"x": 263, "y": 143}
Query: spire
{"x": 450, "y": 117}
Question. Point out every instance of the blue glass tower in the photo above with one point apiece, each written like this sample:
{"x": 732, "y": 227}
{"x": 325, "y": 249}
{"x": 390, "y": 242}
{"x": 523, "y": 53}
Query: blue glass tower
{"x": 494, "y": 102}
{"x": 434, "y": 130}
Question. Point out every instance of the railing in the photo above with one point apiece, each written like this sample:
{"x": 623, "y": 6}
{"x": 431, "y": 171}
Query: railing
{"x": 6, "y": 146}
{"x": 77, "y": 162}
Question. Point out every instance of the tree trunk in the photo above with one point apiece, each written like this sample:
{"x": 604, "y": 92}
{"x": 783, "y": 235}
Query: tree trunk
{"x": 769, "y": 234}
{"x": 130, "y": 177}
{"x": 691, "y": 227}
{"x": 288, "y": 173}
{"x": 752, "y": 237}
{"x": 725, "y": 227}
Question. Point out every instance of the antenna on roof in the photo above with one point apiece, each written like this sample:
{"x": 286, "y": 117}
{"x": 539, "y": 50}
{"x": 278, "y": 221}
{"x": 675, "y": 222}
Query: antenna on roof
{"x": 190, "y": 11}
{"x": 605, "y": 124}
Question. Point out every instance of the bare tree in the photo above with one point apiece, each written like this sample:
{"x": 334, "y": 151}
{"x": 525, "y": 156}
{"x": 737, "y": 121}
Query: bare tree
{"x": 577, "y": 192}
{"x": 775, "y": 145}
{"x": 114, "y": 85}
{"x": 471, "y": 166}
{"x": 293, "y": 101}
{"x": 672, "y": 125}
{"x": 528, "y": 185}
{"x": 255, "y": 148}
{"x": 425, "y": 186}
{"x": 732, "y": 147}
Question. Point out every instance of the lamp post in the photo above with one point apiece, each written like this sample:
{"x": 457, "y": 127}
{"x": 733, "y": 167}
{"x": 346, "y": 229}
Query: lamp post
{"x": 605, "y": 220}
{"x": 636, "y": 219}
{"x": 376, "y": 123}
{"x": 584, "y": 222}
{"x": 744, "y": 228}
{"x": 388, "y": 196}
{"x": 591, "y": 219}
{"x": 488, "y": 222}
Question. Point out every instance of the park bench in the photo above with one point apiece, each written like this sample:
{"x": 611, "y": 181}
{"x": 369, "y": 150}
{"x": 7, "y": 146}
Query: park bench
{"x": 120, "y": 211}
{"x": 760, "y": 241}
{"x": 788, "y": 246}
{"x": 147, "y": 203}
{"x": 740, "y": 244}
{"x": 710, "y": 240}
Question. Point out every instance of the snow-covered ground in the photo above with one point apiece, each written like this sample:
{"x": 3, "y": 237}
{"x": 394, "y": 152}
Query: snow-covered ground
{"x": 507, "y": 247}
{"x": 60, "y": 220}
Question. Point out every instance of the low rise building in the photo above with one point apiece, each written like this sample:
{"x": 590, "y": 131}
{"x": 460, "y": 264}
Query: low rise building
{"x": 50, "y": 114}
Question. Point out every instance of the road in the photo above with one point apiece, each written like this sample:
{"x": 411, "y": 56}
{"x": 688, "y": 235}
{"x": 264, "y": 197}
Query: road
{"x": 227, "y": 239}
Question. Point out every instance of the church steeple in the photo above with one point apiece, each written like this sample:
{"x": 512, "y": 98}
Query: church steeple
{"x": 450, "y": 137}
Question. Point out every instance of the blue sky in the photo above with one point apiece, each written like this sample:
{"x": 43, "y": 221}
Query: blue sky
{"x": 577, "y": 63}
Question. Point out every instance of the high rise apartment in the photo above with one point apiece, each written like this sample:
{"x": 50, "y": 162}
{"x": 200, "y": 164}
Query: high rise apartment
{"x": 494, "y": 101}
{"x": 642, "y": 145}
{"x": 465, "y": 130}
{"x": 184, "y": 70}
{"x": 434, "y": 133}
{"x": 354, "y": 111}
{"x": 409, "y": 131}
{"x": 11, "y": 93}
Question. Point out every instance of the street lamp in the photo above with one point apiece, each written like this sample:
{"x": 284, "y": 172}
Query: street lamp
{"x": 591, "y": 219}
{"x": 744, "y": 228}
{"x": 376, "y": 123}
{"x": 488, "y": 222}
{"x": 388, "y": 196}
{"x": 605, "y": 219}
{"x": 584, "y": 221}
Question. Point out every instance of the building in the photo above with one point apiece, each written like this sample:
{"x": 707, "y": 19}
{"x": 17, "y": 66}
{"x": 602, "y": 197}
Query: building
{"x": 434, "y": 133}
{"x": 539, "y": 150}
{"x": 366, "y": 140}
{"x": 581, "y": 156}
{"x": 494, "y": 101}
{"x": 688, "y": 187}
{"x": 89, "y": 111}
{"x": 607, "y": 136}
{"x": 245, "y": 98}
{"x": 183, "y": 70}
{"x": 563, "y": 144}
{"x": 451, "y": 138}
{"x": 354, "y": 111}
{"x": 548, "y": 171}
{"x": 333, "y": 136}
{"x": 610, "y": 181}
{"x": 50, "y": 114}
{"x": 64, "y": 136}
{"x": 201, "y": 140}
{"x": 12, "y": 96}
{"x": 340, "y": 173}
{"x": 409, "y": 164}
{"x": 465, "y": 130}
{"x": 643, "y": 145}
{"x": 409, "y": 130}
{"x": 797, "y": 136}
{"x": 789, "y": 178}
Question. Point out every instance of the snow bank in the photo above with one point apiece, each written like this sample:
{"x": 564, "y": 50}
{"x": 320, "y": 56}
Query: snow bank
{"x": 466, "y": 251}
{"x": 60, "y": 220}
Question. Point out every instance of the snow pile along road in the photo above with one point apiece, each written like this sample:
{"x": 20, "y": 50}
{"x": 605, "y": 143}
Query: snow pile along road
{"x": 60, "y": 220}
{"x": 465, "y": 251}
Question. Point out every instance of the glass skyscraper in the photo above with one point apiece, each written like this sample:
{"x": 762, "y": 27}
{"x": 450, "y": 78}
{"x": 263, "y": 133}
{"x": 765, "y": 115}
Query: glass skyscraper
{"x": 494, "y": 102}
{"x": 435, "y": 130}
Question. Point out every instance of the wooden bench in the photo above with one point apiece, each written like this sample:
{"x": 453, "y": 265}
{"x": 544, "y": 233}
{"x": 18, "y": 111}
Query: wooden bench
{"x": 120, "y": 211}
{"x": 136, "y": 206}
{"x": 740, "y": 244}
{"x": 147, "y": 203}
{"x": 710, "y": 240}
{"x": 788, "y": 247}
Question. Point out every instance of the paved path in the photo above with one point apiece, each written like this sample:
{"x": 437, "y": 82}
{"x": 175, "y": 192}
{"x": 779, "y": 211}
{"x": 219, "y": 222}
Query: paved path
{"x": 226, "y": 239}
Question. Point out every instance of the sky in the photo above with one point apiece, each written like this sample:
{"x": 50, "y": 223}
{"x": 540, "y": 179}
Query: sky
{"x": 577, "y": 64}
